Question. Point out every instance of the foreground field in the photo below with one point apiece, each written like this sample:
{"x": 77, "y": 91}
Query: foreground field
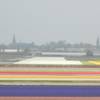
{"x": 49, "y": 98}
{"x": 50, "y": 91}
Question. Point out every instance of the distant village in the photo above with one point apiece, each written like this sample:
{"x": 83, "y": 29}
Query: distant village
{"x": 15, "y": 50}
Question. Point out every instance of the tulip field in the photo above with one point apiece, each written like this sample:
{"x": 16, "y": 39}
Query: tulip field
{"x": 32, "y": 76}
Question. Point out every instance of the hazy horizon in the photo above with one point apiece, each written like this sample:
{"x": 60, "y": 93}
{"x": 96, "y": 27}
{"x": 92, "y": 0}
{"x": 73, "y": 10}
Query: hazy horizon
{"x": 43, "y": 21}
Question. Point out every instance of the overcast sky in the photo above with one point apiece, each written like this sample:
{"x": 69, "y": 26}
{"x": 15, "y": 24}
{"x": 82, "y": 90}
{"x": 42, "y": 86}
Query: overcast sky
{"x": 50, "y": 20}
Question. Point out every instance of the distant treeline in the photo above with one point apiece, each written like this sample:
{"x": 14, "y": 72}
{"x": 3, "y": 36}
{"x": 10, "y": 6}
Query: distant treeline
{"x": 59, "y": 45}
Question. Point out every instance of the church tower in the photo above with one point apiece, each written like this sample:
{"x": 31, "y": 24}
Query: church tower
{"x": 14, "y": 43}
{"x": 98, "y": 43}
{"x": 14, "y": 40}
